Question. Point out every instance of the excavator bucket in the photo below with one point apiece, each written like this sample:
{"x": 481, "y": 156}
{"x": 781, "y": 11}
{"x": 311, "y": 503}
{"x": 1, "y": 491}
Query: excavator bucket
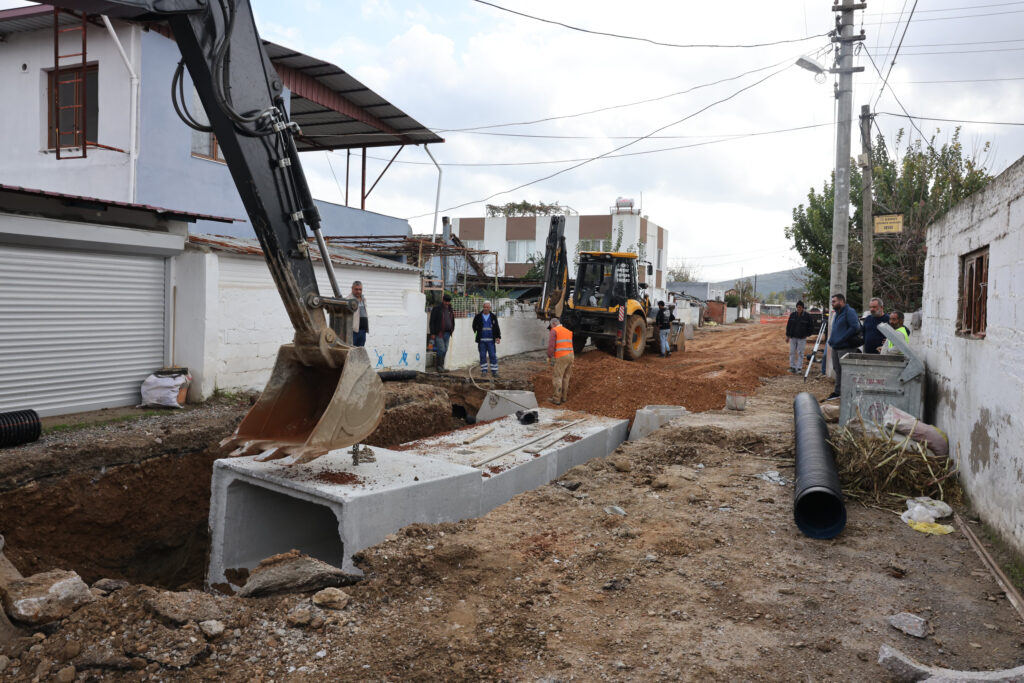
{"x": 306, "y": 411}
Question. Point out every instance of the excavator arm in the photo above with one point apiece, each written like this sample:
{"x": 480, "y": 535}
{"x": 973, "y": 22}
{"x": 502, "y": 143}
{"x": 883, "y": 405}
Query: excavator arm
{"x": 322, "y": 393}
{"x": 556, "y": 272}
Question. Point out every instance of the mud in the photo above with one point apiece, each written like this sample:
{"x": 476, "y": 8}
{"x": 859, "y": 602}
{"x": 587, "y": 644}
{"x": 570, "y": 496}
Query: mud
{"x": 411, "y": 411}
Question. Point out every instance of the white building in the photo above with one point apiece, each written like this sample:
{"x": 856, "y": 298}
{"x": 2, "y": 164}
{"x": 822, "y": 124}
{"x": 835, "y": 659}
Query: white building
{"x": 973, "y": 346}
{"x": 139, "y": 151}
{"x": 517, "y": 239}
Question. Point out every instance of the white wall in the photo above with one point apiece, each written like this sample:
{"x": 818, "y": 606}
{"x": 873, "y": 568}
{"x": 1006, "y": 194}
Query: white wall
{"x": 230, "y": 321}
{"x": 25, "y": 161}
{"x": 520, "y": 332}
{"x": 975, "y": 389}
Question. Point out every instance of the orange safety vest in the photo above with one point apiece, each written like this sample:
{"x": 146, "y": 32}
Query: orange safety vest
{"x": 563, "y": 341}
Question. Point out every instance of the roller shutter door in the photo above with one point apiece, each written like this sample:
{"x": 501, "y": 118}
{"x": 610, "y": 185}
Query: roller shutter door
{"x": 78, "y": 330}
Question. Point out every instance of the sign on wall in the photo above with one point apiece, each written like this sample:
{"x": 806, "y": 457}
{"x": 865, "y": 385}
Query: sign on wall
{"x": 889, "y": 224}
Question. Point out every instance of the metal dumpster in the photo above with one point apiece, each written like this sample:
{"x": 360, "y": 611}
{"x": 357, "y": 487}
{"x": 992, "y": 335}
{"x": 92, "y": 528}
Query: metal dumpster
{"x": 873, "y": 381}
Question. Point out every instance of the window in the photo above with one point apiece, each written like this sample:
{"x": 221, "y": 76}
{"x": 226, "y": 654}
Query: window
{"x": 473, "y": 244}
{"x": 519, "y": 251}
{"x": 593, "y": 245}
{"x": 973, "y": 294}
{"x": 204, "y": 145}
{"x": 76, "y": 101}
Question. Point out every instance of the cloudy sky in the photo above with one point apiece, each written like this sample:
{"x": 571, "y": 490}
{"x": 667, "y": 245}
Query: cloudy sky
{"x": 461, "y": 64}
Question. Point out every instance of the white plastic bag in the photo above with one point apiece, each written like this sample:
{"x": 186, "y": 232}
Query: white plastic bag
{"x": 925, "y": 509}
{"x": 907, "y": 424}
{"x": 162, "y": 392}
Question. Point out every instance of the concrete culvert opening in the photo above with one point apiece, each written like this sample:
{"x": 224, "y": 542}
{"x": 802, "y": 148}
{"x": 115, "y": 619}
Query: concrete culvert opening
{"x": 264, "y": 523}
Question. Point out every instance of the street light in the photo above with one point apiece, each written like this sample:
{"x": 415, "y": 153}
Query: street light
{"x": 814, "y": 66}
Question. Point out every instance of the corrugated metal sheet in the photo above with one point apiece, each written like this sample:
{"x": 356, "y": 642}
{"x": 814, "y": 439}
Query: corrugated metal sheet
{"x": 340, "y": 256}
{"x": 78, "y": 330}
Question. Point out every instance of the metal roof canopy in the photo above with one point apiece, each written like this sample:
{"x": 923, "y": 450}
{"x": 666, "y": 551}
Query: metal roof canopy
{"x": 28, "y": 201}
{"x": 340, "y": 255}
{"x": 414, "y": 246}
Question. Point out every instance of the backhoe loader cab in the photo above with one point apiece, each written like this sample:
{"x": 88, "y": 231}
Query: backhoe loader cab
{"x": 607, "y": 304}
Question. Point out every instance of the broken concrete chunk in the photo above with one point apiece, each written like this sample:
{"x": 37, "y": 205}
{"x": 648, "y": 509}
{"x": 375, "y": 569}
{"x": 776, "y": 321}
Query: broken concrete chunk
{"x": 911, "y": 624}
{"x": 331, "y": 598}
{"x": 46, "y": 597}
{"x": 293, "y": 572}
{"x": 300, "y": 616}
{"x": 211, "y": 628}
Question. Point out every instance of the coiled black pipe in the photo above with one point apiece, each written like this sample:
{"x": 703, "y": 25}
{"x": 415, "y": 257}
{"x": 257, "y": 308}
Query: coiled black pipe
{"x": 818, "y": 507}
{"x": 21, "y": 426}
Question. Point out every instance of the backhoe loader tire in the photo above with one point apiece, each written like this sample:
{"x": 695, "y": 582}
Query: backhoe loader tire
{"x": 578, "y": 342}
{"x": 636, "y": 337}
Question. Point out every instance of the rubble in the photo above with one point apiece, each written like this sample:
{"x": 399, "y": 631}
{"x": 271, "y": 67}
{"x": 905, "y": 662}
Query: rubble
{"x": 46, "y": 597}
{"x": 292, "y": 572}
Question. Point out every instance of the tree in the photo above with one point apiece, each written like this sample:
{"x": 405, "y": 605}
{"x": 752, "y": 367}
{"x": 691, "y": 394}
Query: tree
{"x": 536, "y": 271}
{"x": 744, "y": 291}
{"x": 922, "y": 183}
{"x": 524, "y": 208}
{"x": 732, "y": 300}
{"x": 683, "y": 272}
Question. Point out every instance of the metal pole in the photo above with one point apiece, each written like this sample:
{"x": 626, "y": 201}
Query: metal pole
{"x": 841, "y": 196}
{"x": 437, "y": 198}
{"x": 867, "y": 208}
{"x": 348, "y": 163}
{"x": 362, "y": 189}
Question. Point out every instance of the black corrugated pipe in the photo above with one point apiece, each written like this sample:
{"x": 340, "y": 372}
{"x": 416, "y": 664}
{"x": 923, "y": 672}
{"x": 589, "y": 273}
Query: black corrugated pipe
{"x": 396, "y": 375}
{"x": 818, "y": 507}
{"x": 21, "y": 426}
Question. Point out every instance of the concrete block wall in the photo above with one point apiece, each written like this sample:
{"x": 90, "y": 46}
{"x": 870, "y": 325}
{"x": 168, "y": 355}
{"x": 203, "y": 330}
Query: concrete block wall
{"x": 230, "y": 321}
{"x": 975, "y": 387}
{"x": 520, "y": 332}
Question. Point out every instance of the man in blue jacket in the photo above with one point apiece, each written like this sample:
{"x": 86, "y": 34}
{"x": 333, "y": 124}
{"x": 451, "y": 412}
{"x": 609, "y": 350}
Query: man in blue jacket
{"x": 845, "y": 338}
{"x": 874, "y": 340}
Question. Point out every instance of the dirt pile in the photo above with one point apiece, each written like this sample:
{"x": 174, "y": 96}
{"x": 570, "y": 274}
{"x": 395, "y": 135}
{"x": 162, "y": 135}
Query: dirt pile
{"x": 411, "y": 411}
{"x": 725, "y": 359}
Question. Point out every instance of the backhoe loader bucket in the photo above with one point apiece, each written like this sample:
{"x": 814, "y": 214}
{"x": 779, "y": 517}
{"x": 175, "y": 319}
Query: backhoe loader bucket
{"x": 306, "y": 411}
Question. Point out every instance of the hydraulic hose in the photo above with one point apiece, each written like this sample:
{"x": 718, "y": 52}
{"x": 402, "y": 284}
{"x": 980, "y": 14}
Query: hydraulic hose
{"x": 818, "y": 508}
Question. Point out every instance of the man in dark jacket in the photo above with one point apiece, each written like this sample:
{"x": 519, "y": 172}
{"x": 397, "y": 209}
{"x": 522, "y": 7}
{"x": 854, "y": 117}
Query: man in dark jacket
{"x": 873, "y": 338}
{"x": 664, "y": 320}
{"x": 485, "y": 324}
{"x": 442, "y": 324}
{"x": 798, "y": 329}
{"x": 845, "y": 338}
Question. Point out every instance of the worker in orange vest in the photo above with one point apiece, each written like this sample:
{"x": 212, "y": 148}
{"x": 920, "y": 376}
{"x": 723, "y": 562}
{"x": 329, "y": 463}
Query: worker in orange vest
{"x": 560, "y": 350}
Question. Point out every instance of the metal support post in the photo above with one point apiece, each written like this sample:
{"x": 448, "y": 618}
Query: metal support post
{"x": 841, "y": 196}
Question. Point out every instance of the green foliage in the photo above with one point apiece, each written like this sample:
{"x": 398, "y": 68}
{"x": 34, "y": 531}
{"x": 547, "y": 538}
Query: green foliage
{"x": 536, "y": 271}
{"x": 744, "y": 291}
{"x": 732, "y": 300}
{"x": 524, "y": 208}
{"x": 683, "y": 272}
{"x": 922, "y": 182}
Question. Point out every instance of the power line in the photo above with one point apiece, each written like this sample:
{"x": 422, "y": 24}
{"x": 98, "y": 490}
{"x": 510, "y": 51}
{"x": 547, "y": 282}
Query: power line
{"x": 615, "y": 106}
{"x": 964, "y": 80}
{"x": 893, "y": 62}
{"x": 617, "y": 149}
{"x": 905, "y": 115}
{"x": 615, "y": 156}
{"x": 962, "y": 16}
{"x": 641, "y": 39}
{"x": 959, "y": 52}
{"x": 953, "y": 9}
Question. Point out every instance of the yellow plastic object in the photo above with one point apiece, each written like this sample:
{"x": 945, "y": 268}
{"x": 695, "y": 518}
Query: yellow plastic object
{"x": 931, "y": 527}
{"x": 306, "y": 411}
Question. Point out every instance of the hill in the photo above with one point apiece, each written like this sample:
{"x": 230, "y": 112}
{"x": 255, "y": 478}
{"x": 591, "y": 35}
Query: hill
{"x": 791, "y": 281}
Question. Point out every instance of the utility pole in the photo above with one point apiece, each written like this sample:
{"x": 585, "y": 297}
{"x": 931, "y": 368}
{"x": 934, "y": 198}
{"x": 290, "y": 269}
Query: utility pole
{"x": 867, "y": 222}
{"x": 841, "y": 197}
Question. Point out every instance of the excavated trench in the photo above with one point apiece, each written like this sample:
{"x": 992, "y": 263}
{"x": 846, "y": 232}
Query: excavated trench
{"x": 124, "y": 504}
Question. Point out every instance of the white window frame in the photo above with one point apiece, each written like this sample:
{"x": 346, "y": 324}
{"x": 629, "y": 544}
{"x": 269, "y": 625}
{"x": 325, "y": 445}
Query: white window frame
{"x": 518, "y": 251}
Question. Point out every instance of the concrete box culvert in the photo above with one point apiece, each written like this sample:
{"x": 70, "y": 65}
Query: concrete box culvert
{"x": 331, "y": 508}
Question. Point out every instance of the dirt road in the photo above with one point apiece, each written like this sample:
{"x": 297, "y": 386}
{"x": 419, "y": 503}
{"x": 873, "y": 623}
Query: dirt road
{"x": 718, "y": 359}
{"x": 704, "y": 577}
